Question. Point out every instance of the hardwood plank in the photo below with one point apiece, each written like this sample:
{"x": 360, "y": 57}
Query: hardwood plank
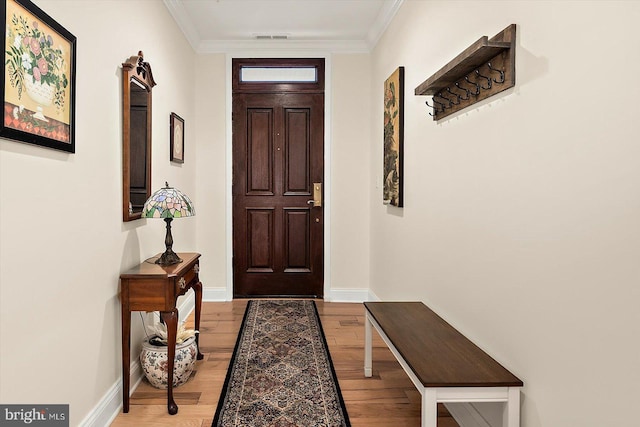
{"x": 388, "y": 398}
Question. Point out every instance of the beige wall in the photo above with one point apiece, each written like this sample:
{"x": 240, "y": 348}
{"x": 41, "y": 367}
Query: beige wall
{"x": 350, "y": 171}
{"x": 522, "y": 217}
{"x": 210, "y": 83}
{"x": 63, "y": 241}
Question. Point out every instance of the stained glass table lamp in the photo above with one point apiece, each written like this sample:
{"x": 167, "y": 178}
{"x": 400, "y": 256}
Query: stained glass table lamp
{"x": 168, "y": 203}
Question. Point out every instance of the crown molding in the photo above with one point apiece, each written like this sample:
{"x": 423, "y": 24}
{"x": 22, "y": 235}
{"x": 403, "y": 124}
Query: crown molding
{"x": 384, "y": 18}
{"x": 333, "y": 46}
{"x": 177, "y": 10}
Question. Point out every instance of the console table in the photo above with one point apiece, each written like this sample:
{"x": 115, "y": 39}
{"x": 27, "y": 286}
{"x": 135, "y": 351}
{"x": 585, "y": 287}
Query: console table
{"x": 152, "y": 287}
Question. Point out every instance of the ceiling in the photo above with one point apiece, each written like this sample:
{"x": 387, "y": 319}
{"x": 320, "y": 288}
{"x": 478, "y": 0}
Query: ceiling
{"x": 328, "y": 25}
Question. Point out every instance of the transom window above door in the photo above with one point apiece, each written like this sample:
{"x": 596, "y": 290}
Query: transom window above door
{"x": 278, "y": 75}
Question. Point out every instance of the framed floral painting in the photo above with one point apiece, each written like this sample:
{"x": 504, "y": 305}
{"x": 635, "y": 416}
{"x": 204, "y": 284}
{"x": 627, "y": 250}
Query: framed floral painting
{"x": 38, "y": 82}
{"x": 393, "y": 138}
{"x": 176, "y": 138}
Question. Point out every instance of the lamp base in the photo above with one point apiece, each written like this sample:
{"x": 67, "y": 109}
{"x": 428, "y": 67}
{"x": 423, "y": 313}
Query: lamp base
{"x": 168, "y": 258}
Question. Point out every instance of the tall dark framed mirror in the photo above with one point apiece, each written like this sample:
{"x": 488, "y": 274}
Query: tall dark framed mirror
{"x": 137, "y": 82}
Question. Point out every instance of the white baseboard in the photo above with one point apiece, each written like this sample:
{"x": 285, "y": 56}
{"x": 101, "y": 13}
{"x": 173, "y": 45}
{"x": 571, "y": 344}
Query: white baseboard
{"x": 186, "y": 307}
{"x": 371, "y": 296}
{"x": 214, "y": 294}
{"x": 332, "y": 295}
{"x": 110, "y": 405}
{"x": 347, "y": 295}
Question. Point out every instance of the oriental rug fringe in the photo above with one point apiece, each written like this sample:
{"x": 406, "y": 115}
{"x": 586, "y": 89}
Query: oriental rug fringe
{"x": 281, "y": 374}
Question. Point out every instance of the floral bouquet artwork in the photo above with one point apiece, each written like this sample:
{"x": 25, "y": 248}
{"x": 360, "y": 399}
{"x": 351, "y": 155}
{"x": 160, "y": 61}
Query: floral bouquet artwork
{"x": 36, "y": 65}
{"x": 38, "y": 74}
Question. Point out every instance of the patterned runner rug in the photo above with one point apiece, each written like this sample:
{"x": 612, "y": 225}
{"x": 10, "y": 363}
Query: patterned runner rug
{"x": 281, "y": 374}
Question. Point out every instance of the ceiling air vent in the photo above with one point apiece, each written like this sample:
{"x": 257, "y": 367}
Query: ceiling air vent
{"x": 271, "y": 36}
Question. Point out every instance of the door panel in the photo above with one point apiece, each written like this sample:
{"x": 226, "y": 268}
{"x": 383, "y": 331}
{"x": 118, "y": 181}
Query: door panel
{"x": 260, "y": 252}
{"x": 278, "y": 153}
{"x": 260, "y": 149}
{"x": 297, "y": 237}
{"x": 297, "y": 164}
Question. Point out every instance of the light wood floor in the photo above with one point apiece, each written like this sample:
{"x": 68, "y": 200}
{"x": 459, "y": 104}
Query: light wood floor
{"x": 387, "y": 399}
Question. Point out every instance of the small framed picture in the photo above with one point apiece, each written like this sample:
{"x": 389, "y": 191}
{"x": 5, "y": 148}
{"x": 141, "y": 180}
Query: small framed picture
{"x": 38, "y": 81}
{"x": 177, "y": 138}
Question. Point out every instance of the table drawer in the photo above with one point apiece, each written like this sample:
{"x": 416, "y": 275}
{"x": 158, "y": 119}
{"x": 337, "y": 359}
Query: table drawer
{"x": 187, "y": 280}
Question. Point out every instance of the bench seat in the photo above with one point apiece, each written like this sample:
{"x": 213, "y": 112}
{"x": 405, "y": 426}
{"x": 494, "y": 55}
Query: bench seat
{"x": 443, "y": 364}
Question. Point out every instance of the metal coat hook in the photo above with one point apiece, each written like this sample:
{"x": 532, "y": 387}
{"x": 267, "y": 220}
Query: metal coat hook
{"x": 449, "y": 99}
{"x": 496, "y": 71}
{"x": 484, "y": 77}
{"x": 430, "y": 106}
{"x": 456, "y": 95}
{"x": 440, "y": 103}
{"x": 466, "y": 78}
{"x": 444, "y": 107}
{"x": 467, "y": 92}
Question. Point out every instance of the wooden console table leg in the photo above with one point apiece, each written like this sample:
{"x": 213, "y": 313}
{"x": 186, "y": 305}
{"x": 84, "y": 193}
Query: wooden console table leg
{"x": 170, "y": 318}
{"x": 368, "y": 347}
{"x": 126, "y": 356}
{"x": 197, "y": 288}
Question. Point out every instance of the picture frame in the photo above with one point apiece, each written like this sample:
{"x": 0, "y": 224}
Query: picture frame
{"x": 176, "y": 132}
{"x": 39, "y": 79}
{"x": 393, "y": 162}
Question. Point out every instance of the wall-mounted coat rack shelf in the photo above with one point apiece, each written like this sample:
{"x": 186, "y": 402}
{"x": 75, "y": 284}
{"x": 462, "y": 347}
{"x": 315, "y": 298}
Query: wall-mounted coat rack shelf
{"x": 483, "y": 69}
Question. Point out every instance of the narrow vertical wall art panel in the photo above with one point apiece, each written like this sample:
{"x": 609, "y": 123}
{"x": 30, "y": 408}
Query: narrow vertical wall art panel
{"x": 393, "y": 138}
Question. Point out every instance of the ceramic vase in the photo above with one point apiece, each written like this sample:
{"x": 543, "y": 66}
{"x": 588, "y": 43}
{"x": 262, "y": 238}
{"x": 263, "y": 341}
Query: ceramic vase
{"x": 42, "y": 93}
{"x": 154, "y": 362}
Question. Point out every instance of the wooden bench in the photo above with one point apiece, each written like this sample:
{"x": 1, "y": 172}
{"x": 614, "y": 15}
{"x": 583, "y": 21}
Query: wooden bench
{"x": 442, "y": 363}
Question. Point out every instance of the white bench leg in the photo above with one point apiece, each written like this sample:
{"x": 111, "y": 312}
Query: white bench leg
{"x": 513, "y": 407}
{"x": 429, "y": 408}
{"x": 368, "y": 346}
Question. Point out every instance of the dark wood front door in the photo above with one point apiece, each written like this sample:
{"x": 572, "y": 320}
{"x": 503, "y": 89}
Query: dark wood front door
{"x": 278, "y": 232}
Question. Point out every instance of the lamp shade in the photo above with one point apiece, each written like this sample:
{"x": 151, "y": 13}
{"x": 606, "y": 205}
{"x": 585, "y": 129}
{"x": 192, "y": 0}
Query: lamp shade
{"x": 168, "y": 202}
